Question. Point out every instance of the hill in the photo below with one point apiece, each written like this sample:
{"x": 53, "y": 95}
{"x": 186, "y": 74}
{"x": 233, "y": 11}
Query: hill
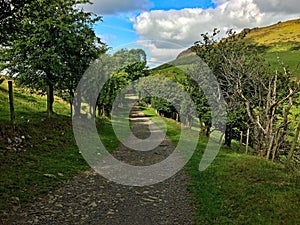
{"x": 283, "y": 36}
{"x": 279, "y": 41}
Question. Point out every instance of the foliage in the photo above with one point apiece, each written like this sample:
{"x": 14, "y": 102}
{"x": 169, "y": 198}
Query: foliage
{"x": 9, "y": 18}
{"x": 256, "y": 98}
{"x": 53, "y": 45}
{"x": 124, "y": 67}
{"x": 218, "y": 55}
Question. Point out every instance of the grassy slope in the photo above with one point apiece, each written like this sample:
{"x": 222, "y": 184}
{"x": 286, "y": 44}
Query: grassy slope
{"x": 49, "y": 148}
{"x": 279, "y": 41}
{"x": 278, "y": 37}
{"x": 240, "y": 189}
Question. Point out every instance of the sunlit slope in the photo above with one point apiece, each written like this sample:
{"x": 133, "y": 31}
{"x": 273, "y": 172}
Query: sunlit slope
{"x": 283, "y": 36}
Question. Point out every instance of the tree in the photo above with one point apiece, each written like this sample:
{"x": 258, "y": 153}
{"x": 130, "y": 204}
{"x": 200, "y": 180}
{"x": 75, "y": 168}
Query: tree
{"x": 125, "y": 66}
{"x": 251, "y": 90}
{"x": 198, "y": 97}
{"x": 54, "y": 44}
{"x": 268, "y": 109}
{"x": 9, "y": 17}
{"x": 216, "y": 55}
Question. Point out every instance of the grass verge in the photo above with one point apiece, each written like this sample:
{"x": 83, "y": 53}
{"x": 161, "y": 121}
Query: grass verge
{"x": 239, "y": 188}
{"x": 41, "y": 153}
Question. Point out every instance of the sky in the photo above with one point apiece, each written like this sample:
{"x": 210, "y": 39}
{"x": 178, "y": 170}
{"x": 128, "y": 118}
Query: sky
{"x": 164, "y": 28}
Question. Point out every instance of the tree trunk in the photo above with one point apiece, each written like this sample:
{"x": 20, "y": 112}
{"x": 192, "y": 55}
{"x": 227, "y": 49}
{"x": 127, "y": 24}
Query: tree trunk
{"x": 71, "y": 93}
{"x": 50, "y": 99}
{"x": 228, "y": 136}
{"x": 291, "y": 152}
{"x": 77, "y": 103}
{"x": 207, "y": 133}
{"x": 11, "y": 102}
{"x": 100, "y": 110}
{"x": 269, "y": 146}
{"x": 71, "y": 107}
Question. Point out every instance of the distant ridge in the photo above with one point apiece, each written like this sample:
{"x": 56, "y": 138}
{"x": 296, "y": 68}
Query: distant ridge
{"x": 282, "y": 36}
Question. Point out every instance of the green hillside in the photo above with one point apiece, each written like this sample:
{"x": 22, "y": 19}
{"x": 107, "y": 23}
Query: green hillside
{"x": 283, "y": 36}
{"x": 279, "y": 43}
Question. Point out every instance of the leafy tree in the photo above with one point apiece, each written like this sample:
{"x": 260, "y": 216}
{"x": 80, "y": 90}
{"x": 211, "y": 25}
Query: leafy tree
{"x": 9, "y": 18}
{"x": 216, "y": 54}
{"x": 53, "y": 46}
{"x": 198, "y": 97}
{"x": 126, "y": 66}
{"x": 253, "y": 94}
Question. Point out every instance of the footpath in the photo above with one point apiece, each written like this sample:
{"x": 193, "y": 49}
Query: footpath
{"x": 91, "y": 199}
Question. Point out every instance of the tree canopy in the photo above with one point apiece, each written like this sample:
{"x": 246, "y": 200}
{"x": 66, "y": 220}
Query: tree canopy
{"x": 53, "y": 45}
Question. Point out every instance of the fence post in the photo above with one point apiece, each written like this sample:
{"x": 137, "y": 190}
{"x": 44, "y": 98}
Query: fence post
{"x": 11, "y": 102}
{"x": 247, "y": 141}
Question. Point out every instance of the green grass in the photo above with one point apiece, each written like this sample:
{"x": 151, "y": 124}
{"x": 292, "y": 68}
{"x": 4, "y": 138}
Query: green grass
{"x": 170, "y": 72}
{"x": 279, "y": 40}
{"x": 286, "y": 33}
{"x": 291, "y": 60}
{"x": 27, "y": 106}
{"x": 242, "y": 189}
{"x": 49, "y": 148}
{"x": 239, "y": 188}
{"x": 48, "y": 156}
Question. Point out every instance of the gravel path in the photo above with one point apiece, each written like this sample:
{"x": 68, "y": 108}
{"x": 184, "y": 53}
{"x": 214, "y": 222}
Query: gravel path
{"x": 91, "y": 199}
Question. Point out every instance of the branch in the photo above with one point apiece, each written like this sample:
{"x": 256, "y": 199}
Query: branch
{"x": 287, "y": 97}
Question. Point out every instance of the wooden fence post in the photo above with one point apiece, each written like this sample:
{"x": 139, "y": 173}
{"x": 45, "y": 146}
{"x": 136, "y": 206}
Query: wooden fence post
{"x": 11, "y": 102}
{"x": 247, "y": 141}
{"x": 241, "y": 141}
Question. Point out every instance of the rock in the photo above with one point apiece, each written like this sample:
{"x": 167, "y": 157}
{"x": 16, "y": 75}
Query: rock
{"x": 93, "y": 204}
{"x": 49, "y": 175}
{"x": 59, "y": 205}
{"x": 152, "y": 197}
{"x": 9, "y": 141}
{"x": 15, "y": 200}
{"x": 18, "y": 140}
{"x": 148, "y": 200}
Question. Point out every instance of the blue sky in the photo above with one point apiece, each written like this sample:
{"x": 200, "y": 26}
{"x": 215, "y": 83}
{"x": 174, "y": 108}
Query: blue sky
{"x": 166, "y": 27}
{"x": 180, "y": 4}
{"x": 117, "y": 29}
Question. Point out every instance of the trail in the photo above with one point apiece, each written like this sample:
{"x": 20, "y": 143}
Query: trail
{"x": 91, "y": 199}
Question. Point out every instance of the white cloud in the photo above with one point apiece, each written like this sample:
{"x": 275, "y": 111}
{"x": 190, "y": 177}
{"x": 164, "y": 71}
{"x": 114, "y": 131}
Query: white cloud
{"x": 109, "y": 7}
{"x": 160, "y": 52}
{"x": 185, "y": 26}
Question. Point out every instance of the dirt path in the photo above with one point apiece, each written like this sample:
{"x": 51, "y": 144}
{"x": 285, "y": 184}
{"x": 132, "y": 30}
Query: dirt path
{"x": 91, "y": 199}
